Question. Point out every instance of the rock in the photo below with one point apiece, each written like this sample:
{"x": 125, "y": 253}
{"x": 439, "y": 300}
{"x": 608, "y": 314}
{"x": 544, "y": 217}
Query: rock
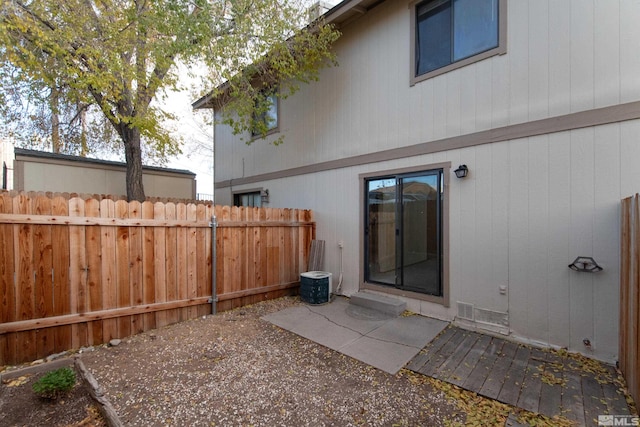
{"x": 213, "y": 355}
{"x": 52, "y": 357}
{"x": 115, "y": 342}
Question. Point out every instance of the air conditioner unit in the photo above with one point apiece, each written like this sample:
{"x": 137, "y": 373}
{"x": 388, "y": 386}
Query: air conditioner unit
{"x": 315, "y": 287}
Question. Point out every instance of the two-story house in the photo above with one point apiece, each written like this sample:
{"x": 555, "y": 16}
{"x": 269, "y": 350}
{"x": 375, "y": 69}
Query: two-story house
{"x": 537, "y": 102}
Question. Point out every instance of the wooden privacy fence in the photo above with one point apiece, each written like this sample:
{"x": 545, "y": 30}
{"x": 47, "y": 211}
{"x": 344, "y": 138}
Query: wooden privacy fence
{"x": 77, "y": 272}
{"x": 630, "y": 295}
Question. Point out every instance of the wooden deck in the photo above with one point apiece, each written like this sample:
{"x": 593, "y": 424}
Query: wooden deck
{"x": 546, "y": 382}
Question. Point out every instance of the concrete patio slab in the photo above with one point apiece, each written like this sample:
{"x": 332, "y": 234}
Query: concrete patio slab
{"x": 313, "y": 326}
{"x": 385, "y": 342}
{"x": 414, "y": 331}
{"x": 387, "y": 356}
{"x": 342, "y": 314}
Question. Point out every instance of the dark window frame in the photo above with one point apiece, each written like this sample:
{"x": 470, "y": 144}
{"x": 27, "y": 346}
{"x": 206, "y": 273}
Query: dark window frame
{"x": 364, "y": 197}
{"x": 501, "y": 49}
{"x": 276, "y": 127}
{"x": 254, "y": 194}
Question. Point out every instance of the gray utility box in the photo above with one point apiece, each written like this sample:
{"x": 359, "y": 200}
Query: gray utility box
{"x": 315, "y": 287}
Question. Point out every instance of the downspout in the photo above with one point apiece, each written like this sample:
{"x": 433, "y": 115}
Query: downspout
{"x": 214, "y": 285}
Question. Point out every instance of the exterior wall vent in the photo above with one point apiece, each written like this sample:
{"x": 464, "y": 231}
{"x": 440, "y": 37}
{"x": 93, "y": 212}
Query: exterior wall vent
{"x": 492, "y": 317}
{"x": 465, "y": 311}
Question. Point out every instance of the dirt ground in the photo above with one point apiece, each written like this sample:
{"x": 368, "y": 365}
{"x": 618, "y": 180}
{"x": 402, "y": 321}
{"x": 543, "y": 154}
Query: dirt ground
{"x": 20, "y": 406}
{"x": 234, "y": 369}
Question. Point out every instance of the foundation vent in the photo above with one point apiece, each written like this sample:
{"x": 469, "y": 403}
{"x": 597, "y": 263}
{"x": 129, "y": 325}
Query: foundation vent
{"x": 492, "y": 317}
{"x": 465, "y": 311}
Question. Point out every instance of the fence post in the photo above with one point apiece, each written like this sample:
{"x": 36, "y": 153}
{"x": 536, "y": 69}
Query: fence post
{"x": 214, "y": 291}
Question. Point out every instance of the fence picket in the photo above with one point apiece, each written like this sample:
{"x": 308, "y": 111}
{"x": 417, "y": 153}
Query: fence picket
{"x": 109, "y": 275}
{"x": 164, "y": 274}
{"x": 249, "y": 250}
{"x": 288, "y": 275}
{"x": 236, "y": 242}
{"x": 634, "y": 297}
{"x": 242, "y": 248}
{"x": 192, "y": 261}
{"x": 171, "y": 245}
{"x": 42, "y": 259}
{"x": 122, "y": 269}
{"x": 181, "y": 285}
{"x": 217, "y": 212}
{"x": 629, "y": 343}
{"x": 61, "y": 285}
{"x": 226, "y": 266}
{"x": 272, "y": 250}
{"x": 635, "y": 334}
{"x": 7, "y": 288}
{"x": 94, "y": 270}
{"x": 77, "y": 273}
{"x": 148, "y": 270}
{"x": 264, "y": 250}
{"x": 25, "y": 303}
{"x": 135, "y": 267}
{"x": 203, "y": 268}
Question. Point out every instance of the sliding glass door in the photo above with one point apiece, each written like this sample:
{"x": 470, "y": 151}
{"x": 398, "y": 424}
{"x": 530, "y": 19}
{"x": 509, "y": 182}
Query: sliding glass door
{"x": 403, "y": 236}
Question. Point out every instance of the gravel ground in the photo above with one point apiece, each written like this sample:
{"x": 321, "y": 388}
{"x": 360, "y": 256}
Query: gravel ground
{"x": 236, "y": 369}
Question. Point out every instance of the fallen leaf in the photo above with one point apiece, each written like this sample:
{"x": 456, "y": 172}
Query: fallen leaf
{"x": 17, "y": 381}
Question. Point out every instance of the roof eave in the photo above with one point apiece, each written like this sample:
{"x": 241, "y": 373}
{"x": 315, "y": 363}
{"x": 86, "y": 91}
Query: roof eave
{"x": 22, "y": 153}
{"x": 342, "y": 13}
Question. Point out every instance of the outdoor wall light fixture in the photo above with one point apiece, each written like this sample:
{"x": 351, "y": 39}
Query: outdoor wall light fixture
{"x": 264, "y": 196}
{"x": 585, "y": 264}
{"x": 462, "y": 171}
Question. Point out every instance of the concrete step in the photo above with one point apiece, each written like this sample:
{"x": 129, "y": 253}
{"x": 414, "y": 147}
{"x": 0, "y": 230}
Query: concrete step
{"x": 378, "y": 302}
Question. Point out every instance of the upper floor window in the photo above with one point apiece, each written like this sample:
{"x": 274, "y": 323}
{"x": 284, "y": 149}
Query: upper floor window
{"x": 266, "y": 116}
{"x": 448, "y": 34}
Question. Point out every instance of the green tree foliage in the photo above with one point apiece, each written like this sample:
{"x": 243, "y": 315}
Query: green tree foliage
{"x": 120, "y": 55}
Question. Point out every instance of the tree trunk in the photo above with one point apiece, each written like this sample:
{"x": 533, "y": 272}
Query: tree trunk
{"x": 133, "y": 156}
{"x": 55, "y": 120}
{"x": 83, "y": 135}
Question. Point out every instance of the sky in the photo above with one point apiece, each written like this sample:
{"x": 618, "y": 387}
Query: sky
{"x": 197, "y": 151}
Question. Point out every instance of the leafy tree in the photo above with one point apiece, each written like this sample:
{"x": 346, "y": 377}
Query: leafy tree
{"x": 50, "y": 118}
{"x": 122, "y": 55}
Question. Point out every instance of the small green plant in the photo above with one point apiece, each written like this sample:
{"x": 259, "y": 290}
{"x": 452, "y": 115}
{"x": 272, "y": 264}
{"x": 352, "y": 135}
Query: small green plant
{"x": 55, "y": 383}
